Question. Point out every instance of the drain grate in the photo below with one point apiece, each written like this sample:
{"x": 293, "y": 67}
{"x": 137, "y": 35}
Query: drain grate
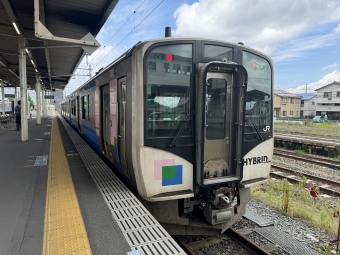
{"x": 139, "y": 227}
{"x": 136, "y": 223}
{"x": 258, "y": 219}
{"x": 285, "y": 241}
{"x": 164, "y": 247}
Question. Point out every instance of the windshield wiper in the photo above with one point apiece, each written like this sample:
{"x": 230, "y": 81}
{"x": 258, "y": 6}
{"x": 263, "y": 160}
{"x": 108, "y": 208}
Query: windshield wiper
{"x": 255, "y": 127}
{"x": 172, "y": 144}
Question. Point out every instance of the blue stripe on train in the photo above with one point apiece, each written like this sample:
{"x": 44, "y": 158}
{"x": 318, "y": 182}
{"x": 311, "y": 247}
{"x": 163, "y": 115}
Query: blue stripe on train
{"x": 89, "y": 134}
{"x": 74, "y": 123}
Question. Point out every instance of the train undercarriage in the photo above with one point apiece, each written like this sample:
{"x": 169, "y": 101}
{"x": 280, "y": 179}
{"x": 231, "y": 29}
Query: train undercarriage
{"x": 200, "y": 221}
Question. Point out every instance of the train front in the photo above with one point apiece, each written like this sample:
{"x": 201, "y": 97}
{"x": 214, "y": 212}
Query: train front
{"x": 208, "y": 127}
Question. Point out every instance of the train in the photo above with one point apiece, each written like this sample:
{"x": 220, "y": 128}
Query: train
{"x": 9, "y": 107}
{"x": 187, "y": 122}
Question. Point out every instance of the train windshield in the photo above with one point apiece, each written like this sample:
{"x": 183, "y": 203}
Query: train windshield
{"x": 258, "y": 97}
{"x": 168, "y": 91}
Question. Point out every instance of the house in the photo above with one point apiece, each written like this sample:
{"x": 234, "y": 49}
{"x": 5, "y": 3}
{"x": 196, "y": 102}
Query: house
{"x": 286, "y": 104}
{"x": 328, "y": 99}
{"x": 308, "y": 106}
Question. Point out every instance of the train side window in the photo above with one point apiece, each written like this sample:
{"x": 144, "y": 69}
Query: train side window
{"x": 88, "y": 106}
{"x": 84, "y": 108}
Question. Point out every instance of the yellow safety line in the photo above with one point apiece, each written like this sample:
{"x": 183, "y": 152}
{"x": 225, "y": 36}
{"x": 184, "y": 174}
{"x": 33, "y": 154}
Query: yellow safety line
{"x": 64, "y": 230}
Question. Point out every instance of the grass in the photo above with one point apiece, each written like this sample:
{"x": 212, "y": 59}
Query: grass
{"x": 296, "y": 202}
{"x": 327, "y": 129}
{"x": 300, "y": 151}
{"x": 326, "y": 250}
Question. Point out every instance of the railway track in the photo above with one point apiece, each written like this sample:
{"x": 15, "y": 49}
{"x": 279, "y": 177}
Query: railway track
{"x": 249, "y": 246}
{"x": 297, "y": 177}
{"x": 331, "y": 163}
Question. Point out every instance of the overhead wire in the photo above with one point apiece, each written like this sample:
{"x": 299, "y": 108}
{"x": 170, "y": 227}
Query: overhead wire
{"x": 132, "y": 30}
{"x": 134, "y": 12}
{"x": 125, "y": 36}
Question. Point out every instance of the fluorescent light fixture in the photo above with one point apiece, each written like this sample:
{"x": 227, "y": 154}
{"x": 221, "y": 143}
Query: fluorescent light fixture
{"x": 36, "y": 70}
{"x": 16, "y": 28}
{"x": 27, "y": 51}
{"x": 32, "y": 62}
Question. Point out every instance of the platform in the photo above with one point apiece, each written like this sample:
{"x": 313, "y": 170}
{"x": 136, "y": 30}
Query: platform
{"x": 39, "y": 211}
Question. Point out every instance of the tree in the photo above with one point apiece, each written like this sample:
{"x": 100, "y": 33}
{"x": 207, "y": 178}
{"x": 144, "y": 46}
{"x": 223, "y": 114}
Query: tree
{"x": 31, "y": 101}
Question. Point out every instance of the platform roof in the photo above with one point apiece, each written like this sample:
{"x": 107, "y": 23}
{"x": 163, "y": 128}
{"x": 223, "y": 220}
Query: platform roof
{"x": 70, "y": 19}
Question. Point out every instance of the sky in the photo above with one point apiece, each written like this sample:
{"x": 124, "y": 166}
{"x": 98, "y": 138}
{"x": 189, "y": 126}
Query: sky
{"x": 301, "y": 36}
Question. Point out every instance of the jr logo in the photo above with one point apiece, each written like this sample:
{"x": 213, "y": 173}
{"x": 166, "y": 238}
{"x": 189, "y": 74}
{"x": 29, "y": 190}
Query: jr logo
{"x": 267, "y": 128}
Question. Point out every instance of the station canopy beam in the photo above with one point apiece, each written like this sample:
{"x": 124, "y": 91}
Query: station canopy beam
{"x": 49, "y": 24}
{"x": 46, "y": 39}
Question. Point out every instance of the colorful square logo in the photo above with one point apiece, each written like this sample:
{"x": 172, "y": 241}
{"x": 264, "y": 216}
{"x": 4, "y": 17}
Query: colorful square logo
{"x": 168, "y": 172}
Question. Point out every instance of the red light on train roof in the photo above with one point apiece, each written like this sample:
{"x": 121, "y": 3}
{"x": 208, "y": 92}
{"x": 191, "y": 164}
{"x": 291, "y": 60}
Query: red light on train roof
{"x": 169, "y": 57}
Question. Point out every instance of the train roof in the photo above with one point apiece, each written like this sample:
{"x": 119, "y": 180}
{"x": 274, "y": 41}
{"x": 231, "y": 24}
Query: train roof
{"x": 169, "y": 39}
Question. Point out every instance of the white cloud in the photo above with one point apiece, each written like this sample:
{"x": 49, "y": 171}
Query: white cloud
{"x": 337, "y": 29}
{"x": 311, "y": 87}
{"x": 259, "y": 24}
{"x": 330, "y": 66}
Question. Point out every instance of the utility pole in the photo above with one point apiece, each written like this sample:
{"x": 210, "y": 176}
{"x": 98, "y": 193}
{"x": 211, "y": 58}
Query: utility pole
{"x": 307, "y": 102}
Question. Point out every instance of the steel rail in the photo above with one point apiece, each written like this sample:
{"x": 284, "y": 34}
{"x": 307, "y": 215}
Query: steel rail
{"x": 184, "y": 246}
{"x": 310, "y": 159}
{"x": 292, "y": 180}
{"x": 309, "y": 176}
{"x": 246, "y": 243}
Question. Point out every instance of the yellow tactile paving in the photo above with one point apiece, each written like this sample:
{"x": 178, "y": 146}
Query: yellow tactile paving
{"x": 64, "y": 230}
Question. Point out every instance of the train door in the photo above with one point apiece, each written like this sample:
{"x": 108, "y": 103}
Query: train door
{"x": 122, "y": 124}
{"x": 217, "y": 123}
{"x": 69, "y": 112}
{"x": 78, "y": 113}
{"x": 106, "y": 121}
{"x": 221, "y": 104}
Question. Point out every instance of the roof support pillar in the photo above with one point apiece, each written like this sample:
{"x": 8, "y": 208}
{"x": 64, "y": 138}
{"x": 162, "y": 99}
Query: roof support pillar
{"x": 38, "y": 91}
{"x": 23, "y": 88}
{"x": 3, "y": 98}
{"x": 15, "y": 96}
{"x": 44, "y": 103}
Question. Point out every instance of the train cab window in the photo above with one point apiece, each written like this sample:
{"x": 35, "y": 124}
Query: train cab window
{"x": 166, "y": 68}
{"x": 259, "y": 102}
{"x": 176, "y": 68}
{"x": 187, "y": 70}
{"x": 218, "y": 52}
{"x": 168, "y": 103}
{"x": 152, "y": 65}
